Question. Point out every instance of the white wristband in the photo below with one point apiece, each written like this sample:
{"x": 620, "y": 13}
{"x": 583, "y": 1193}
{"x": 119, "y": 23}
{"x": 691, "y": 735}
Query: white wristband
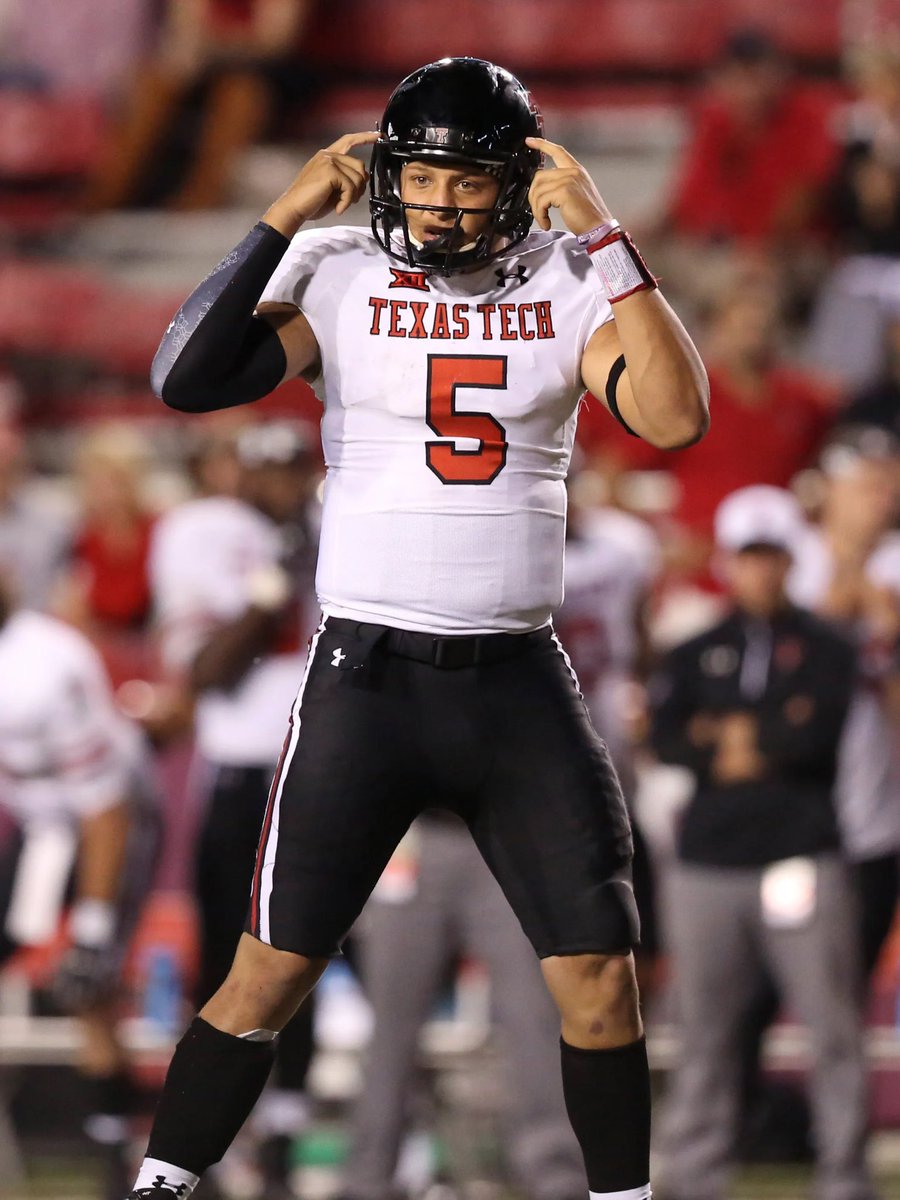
{"x": 92, "y": 922}
{"x": 593, "y": 236}
{"x": 619, "y": 264}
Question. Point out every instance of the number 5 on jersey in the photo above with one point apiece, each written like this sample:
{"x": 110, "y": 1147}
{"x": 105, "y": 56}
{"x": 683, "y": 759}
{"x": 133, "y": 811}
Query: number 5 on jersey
{"x": 446, "y": 373}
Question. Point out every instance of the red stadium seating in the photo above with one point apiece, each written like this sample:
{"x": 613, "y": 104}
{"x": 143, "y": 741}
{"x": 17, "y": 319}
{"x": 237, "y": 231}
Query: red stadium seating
{"x": 47, "y": 146}
{"x": 553, "y": 37}
{"x": 59, "y": 311}
{"x": 44, "y": 137}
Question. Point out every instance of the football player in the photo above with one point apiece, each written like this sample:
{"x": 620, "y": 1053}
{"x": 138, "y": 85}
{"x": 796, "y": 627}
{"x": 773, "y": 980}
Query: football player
{"x": 230, "y": 575}
{"x": 450, "y": 345}
{"x": 76, "y": 782}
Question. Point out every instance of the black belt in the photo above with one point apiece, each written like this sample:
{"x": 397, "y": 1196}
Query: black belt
{"x": 448, "y": 652}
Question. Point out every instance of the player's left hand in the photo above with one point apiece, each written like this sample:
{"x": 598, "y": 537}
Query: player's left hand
{"x": 566, "y": 186}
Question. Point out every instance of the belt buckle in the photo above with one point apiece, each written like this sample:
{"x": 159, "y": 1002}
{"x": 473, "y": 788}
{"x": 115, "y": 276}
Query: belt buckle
{"x": 452, "y": 652}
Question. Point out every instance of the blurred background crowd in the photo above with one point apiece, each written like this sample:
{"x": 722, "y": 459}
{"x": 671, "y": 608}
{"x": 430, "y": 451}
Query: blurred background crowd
{"x": 753, "y": 150}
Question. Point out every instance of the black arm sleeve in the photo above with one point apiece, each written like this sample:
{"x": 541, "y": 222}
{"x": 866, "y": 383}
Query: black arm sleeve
{"x": 215, "y": 353}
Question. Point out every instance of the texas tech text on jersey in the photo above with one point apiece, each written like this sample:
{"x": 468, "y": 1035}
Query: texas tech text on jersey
{"x": 438, "y": 320}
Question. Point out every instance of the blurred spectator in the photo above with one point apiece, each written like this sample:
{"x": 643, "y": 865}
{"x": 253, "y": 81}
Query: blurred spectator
{"x": 75, "y": 780}
{"x": 857, "y": 298}
{"x": 768, "y": 418}
{"x": 61, "y": 67}
{"x": 755, "y": 708}
{"x": 613, "y": 560}
{"x": 33, "y": 541}
{"x": 81, "y": 46}
{"x": 760, "y": 154}
{"x": 848, "y": 570}
{"x": 435, "y": 901}
{"x": 866, "y": 197}
{"x": 213, "y": 463}
{"x": 232, "y": 583}
{"x": 222, "y": 67}
{"x": 107, "y": 590}
{"x": 878, "y": 403}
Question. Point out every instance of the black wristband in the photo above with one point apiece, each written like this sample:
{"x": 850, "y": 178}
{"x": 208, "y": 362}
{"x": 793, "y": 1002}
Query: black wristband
{"x": 215, "y": 353}
{"x": 612, "y": 381}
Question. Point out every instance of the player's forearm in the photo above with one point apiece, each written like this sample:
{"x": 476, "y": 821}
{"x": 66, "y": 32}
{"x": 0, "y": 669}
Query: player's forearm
{"x": 101, "y": 854}
{"x": 668, "y": 381}
{"x": 215, "y": 353}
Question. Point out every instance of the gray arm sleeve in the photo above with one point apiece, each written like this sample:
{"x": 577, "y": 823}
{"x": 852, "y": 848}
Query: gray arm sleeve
{"x": 215, "y": 353}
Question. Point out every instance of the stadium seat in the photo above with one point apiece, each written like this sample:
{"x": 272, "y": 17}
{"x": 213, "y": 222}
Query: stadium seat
{"x": 624, "y": 36}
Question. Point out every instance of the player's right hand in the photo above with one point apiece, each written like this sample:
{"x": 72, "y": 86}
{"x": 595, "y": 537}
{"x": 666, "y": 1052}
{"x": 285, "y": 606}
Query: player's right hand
{"x": 332, "y": 180}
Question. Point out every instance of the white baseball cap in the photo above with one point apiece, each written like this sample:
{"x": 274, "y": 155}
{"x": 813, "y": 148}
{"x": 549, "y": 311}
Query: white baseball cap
{"x": 759, "y": 516}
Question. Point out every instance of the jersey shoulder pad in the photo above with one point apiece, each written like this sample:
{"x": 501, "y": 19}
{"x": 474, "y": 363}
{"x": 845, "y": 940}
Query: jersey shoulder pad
{"x": 557, "y": 252}
{"x": 315, "y": 260}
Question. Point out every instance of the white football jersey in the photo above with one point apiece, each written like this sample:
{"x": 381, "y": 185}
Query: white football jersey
{"x": 202, "y": 555}
{"x": 450, "y": 408}
{"x": 65, "y": 749}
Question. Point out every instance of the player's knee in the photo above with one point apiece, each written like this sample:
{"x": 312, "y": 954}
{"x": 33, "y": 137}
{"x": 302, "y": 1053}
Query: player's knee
{"x": 263, "y": 989}
{"x": 597, "y": 997}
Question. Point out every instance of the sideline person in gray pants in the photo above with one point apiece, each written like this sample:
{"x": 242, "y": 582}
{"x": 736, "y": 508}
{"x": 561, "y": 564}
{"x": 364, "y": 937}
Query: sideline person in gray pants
{"x": 756, "y": 708}
{"x": 719, "y": 940}
{"x": 437, "y": 899}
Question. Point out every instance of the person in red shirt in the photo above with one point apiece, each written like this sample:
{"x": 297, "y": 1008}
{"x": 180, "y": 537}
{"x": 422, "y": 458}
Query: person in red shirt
{"x": 761, "y": 153}
{"x": 106, "y": 591}
{"x": 230, "y": 62}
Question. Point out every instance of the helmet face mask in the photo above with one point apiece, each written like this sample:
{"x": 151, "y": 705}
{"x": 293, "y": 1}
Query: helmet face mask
{"x": 460, "y": 112}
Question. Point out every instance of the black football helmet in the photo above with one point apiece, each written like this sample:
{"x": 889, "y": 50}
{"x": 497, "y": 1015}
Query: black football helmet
{"x": 456, "y": 110}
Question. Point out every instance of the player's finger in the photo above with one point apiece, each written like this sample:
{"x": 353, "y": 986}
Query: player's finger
{"x": 354, "y": 165}
{"x": 351, "y": 187}
{"x": 558, "y": 155}
{"x": 551, "y": 184}
{"x": 543, "y": 189}
{"x": 541, "y": 208}
{"x": 346, "y": 143}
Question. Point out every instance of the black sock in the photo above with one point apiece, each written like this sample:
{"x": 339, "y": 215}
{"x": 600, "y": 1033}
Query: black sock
{"x": 213, "y": 1081}
{"x": 608, "y": 1100}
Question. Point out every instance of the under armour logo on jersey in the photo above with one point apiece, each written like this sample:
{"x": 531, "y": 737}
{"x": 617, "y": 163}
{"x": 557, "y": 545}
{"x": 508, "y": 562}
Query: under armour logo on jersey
{"x": 338, "y": 657}
{"x": 520, "y": 273}
{"x": 408, "y": 279}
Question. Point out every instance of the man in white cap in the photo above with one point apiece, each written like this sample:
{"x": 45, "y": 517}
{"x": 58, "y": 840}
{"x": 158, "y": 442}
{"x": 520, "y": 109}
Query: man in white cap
{"x": 755, "y": 708}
